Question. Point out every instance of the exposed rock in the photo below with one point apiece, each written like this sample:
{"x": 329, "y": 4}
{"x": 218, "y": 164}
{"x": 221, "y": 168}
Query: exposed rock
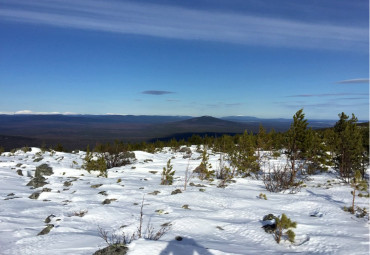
{"x": 156, "y": 192}
{"x": 186, "y": 156}
{"x": 115, "y": 249}
{"x": 197, "y": 185}
{"x": 10, "y": 196}
{"x": 43, "y": 170}
{"x": 46, "y": 190}
{"x": 39, "y": 179}
{"x": 46, "y": 230}
{"x": 37, "y": 182}
{"x": 96, "y": 186}
{"x": 269, "y": 217}
{"x": 19, "y": 165}
{"x": 38, "y": 159}
{"x": 108, "y": 201}
{"x": 159, "y": 211}
{"x": 187, "y": 150}
{"x": 176, "y": 191}
{"x": 35, "y": 195}
{"x": 269, "y": 228}
{"x": 178, "y": 238}
{"x": 167, "y": 224}
{"x": 48, "y": 219}
{"x": 186, "y": 207}
{"x": 153, "y": 172}
{"x": 269, "y": 224}
{"x": 103, "y": 192}
{"x": 67, "y": 184}
{"x": 19, "y": 172}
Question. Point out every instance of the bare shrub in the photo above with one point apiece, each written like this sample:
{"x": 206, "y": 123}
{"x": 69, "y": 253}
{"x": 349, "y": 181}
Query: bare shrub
{"x": 277, "y": 179}
{"x": 80, "y": 213}
{"x": 155, "y": 235}
{"x": 114, "y": 239}
{"x": 188, "y": 174}
{"x": 151, "y": 233}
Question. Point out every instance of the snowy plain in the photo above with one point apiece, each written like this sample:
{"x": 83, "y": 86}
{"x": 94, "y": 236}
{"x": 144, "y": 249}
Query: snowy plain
{"x": 219, "y": 220}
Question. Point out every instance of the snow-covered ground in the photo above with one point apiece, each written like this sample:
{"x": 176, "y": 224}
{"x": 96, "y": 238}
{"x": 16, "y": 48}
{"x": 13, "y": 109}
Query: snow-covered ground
{"x": 218, "y": 221}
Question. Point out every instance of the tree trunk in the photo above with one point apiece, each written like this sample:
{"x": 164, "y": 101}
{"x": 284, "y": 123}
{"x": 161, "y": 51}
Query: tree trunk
{"x": 353, "y": 200}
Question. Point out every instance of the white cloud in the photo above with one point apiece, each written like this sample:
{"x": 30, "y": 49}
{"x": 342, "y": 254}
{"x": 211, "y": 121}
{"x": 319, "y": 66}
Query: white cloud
{"x": 109, "y": 113}
{"x": 37, "y": 113}
{"x": 352, "y": 81}
{"x": 32, "y": 112}
{"x": 184, "y": 23}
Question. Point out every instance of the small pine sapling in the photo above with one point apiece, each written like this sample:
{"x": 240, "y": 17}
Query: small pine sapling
{"x": 284, "y": 223}
{"x": 262, "y": 196}
{"x": 357, "y": 183}
{"x": 99, "y": 164}
{"x": 167, "y": 174}
{"x": 204, "y": 168}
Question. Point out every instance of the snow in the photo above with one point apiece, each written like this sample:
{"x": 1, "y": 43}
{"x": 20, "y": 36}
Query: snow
{"x": 218, "y": 221}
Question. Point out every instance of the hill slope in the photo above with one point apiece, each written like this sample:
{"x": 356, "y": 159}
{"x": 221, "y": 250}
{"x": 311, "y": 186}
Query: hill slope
{"x": 218, "y": 220}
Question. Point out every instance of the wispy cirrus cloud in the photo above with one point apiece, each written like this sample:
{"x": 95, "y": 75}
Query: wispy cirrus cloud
{"x": 223, "y": 104}
{"x": 157, "y": 92}
{"x": 184, "y": 23}
{"x": 354, "y": 81}
{"x": 329, "y": 95}
{"x": 324, "y": 105}
{"x": 25, "y": 112}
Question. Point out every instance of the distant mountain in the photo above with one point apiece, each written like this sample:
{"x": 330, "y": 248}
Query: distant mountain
{"x": 206, "y": 120}
{"x": 91, "y": 118}
{"x": 240, "y": 118}
{"x": 76, "y": 131}
{"x": 205, "y": 124}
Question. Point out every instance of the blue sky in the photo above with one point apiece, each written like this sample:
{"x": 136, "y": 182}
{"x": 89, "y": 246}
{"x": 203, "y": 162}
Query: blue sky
{"x": 262, "y": 58}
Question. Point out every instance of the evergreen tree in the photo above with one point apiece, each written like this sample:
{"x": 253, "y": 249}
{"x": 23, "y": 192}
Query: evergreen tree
{"x": 263, "y": 141}
{"x": 330, "y": 140}
{"x": 204, "y": 169}
{"x": 348, "y": 151}
{"x": 364, "y": 130}
{"x": 295, "y": 139}
{"x": 243, "y": 158}
{"x": 315, "y": 152}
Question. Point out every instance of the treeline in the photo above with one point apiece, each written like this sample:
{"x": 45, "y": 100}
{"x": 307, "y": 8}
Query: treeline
{"x": 344, "y": 147}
